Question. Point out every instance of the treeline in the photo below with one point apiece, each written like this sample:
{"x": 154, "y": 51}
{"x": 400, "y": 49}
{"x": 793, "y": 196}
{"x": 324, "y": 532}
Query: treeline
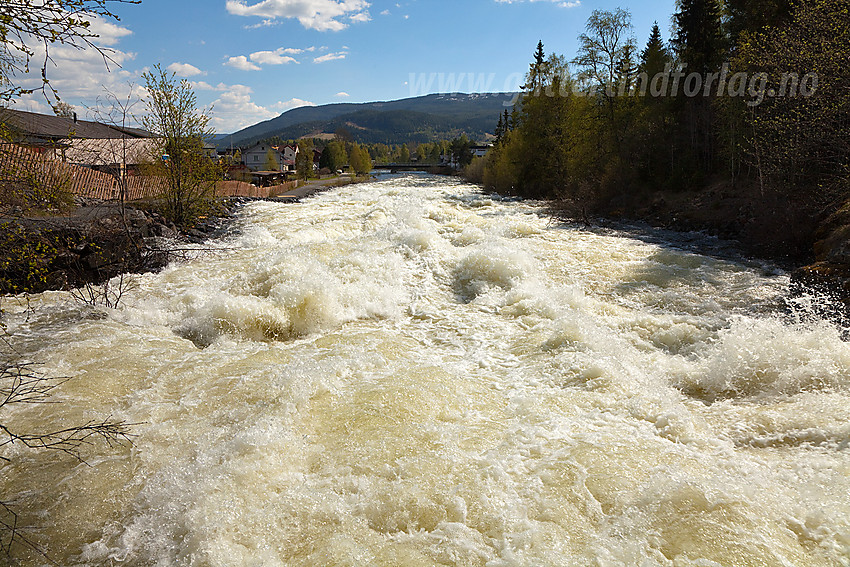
{"x": 751, "y": 96}
{"x": 341, "y": 152}
{"x": 430, "y": 152}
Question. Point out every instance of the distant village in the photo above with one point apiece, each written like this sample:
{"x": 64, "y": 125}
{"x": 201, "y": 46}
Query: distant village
{"x": 108, "y": 147}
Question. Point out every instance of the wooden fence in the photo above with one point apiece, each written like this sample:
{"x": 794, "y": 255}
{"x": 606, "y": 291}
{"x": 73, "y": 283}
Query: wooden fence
{"x": 20, "y": 164}
{"x": 23, "y": 164}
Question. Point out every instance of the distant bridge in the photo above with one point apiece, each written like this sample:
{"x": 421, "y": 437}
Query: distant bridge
{"x": 411, "y": 166}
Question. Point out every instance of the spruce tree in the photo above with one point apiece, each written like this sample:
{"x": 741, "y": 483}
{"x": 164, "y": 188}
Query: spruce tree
{"x": 700, "y": 40}
{"x": 654, "y": 57}
{"x": 500, "y": 129}
{"x": 537, "y": 70}
{"x": 753, "y": 16}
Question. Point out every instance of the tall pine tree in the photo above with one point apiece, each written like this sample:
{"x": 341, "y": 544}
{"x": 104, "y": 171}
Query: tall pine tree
{"x": 500, "y": 129}
{"x": 753, "y": 16}
{"x": 655, "y": 56}
{"x": 537, "y": 70}
{"x": 700, "y": 41}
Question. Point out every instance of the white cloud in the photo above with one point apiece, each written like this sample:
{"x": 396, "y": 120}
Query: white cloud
{"x": 331, "y": 57}
{"x": 241, "y": 62}
{"x": 80, "y": 75}
{"x": 234, "y": 109}
{"x": 361, "y": 17}
{"x": 202, "y": 86}
{"x": 385, "y": 13}
{"x": 185, "y": 70}
{"x": 321, "y": 15}
{"x": 31, "y": 103}
{"x": 108, "y": 33}
{"x": 280, "y": 56}
{"x": 292, "y": 103}
{"x": 342, "y": 94}
{"x": 561, "y": 3}
{"x": 276, "y": 57}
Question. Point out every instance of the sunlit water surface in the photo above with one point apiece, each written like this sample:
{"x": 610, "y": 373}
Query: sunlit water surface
{"x": 408, "y": 372}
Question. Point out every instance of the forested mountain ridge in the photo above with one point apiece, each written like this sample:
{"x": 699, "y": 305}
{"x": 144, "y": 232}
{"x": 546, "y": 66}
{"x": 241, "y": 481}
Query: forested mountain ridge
{"x": 421, "y": 119}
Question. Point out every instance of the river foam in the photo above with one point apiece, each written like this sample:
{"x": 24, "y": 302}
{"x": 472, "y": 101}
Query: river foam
{"x": 408, "y": 372}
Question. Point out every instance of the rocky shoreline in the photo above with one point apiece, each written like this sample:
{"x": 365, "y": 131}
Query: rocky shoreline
{"x": 97, "y": 241}
{"x": 94, "y": 243}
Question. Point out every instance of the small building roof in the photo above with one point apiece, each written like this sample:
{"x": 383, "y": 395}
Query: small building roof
{"x": 44, "y": 129}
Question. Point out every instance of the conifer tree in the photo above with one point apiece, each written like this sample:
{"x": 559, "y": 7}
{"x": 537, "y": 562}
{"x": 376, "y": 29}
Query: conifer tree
{"x": 537, "y": 70}
{"x": 752, "y": 16}
{"x": 699, "y": 40}
{"x": 655, "y": 56}
{"x": 500, "y": 129}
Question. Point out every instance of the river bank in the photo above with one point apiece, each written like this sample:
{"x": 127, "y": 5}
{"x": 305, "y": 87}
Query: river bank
{"x": 98, "y": 240}
{"x": 815, "y": 252}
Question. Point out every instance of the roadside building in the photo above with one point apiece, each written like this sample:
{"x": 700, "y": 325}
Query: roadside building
{"x": 256, "y": 157}
{"x": 103, "y": 147}
{"x": 480, "y": 150}
{"x": 290, "y": 153}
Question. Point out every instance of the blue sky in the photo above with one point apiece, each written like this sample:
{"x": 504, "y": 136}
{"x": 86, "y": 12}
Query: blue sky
{"x": 253, "y": 59}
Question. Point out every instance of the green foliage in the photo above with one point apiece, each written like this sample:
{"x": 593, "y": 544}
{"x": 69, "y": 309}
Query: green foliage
{"x": 537, "y": 70}
{"x": 501, "y": 171}
{"x": 461, "y": 151}
{"x": 173, "y": 116}
{"x": 402, "y": 154}
{"x": 606, "y": 51}
{"x": 271, "y": 163}
{"x": 751, "y": 16}
{"x": 802, "y": 140}
{"x": 304, "y": 159}
{"x": 359, "y": 160}
{"x": 334, "y": 156}
{"x": 619, "y": 142}
{"x": 380, "y": 152}
{"x": 474, "y": 172}
{"x": 655, "y": 57}
{"x": 24, "y": 261}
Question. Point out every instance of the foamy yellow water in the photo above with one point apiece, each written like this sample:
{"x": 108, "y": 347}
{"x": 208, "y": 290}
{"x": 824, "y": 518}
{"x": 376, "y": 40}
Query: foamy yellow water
{"x": 410, "y": 373}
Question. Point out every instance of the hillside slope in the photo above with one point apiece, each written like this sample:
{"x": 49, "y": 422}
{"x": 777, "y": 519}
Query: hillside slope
{"x": 420, "y": 119}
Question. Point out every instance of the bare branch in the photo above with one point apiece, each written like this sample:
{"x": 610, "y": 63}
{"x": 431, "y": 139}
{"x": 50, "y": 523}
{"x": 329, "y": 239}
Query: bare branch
{"x": 20, "y": 383}
{"x": 27, "y": 23}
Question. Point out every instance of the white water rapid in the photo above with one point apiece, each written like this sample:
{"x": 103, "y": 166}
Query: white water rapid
{"x": 410, "y": 373}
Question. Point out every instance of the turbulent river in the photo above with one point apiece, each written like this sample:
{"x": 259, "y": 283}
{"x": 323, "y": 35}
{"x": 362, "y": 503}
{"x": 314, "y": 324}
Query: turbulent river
{"x": 411, "y": 373}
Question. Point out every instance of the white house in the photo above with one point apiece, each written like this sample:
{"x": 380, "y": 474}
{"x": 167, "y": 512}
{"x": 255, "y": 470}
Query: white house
{"x": 290, "y": 153}
{"x": 256, "y": 157}
{"x": 480, "y": 151}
